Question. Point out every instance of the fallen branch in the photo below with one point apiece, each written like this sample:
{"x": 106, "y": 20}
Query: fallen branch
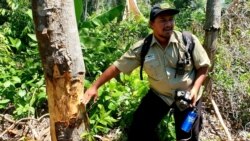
{"x": 22, "y": 121}
{"x": 34, "y": 132}
{"x": 101, "y": 138}
{"x": 217, "y": 112}
{"x": 8, "y": 119}
{"x": 15, "y": 123}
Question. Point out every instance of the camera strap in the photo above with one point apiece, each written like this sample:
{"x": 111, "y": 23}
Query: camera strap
{"x": 185, "y": 58}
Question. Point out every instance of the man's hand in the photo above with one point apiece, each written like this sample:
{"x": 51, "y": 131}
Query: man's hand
{"x": 193, "y": 97}
{"x": 91, "y": 92}
{"x": 108, "y": 74}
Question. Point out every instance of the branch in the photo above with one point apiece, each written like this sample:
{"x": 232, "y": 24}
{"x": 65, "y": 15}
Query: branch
{"x": 15, "y": 123}
{"x": 217, "y": 112}
{"x": 20, "y": 122}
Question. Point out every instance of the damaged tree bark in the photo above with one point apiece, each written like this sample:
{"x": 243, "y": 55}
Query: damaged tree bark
{"x": 62, "y": 60}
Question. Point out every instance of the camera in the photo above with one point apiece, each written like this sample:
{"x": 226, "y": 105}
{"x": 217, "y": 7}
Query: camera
{"x": 182, "y": 99}
{"x": 180, "y": 66}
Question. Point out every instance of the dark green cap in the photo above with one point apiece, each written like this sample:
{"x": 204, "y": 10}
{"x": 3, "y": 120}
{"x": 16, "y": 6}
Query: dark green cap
{"x": 162, "y": 8}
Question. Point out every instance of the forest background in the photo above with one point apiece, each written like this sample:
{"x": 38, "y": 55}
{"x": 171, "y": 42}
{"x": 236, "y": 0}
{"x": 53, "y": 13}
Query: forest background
{"x": 105, "y": 35}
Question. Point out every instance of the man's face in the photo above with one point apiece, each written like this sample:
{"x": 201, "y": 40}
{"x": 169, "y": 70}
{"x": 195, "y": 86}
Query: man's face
{"x": 163, "y": 25}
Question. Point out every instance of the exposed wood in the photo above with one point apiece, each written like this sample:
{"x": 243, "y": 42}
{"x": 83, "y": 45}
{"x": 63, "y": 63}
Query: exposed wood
{"x": 62, "y": 60}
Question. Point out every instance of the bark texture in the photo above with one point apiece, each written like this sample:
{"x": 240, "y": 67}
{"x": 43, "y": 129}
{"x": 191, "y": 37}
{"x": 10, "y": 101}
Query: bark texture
{"x": 212, "y": 26}
{"x": 62, "y": 60}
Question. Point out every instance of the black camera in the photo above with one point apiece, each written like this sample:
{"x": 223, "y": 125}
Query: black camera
{"x": 182, "y": 99}
{"x": 180, "y": 66}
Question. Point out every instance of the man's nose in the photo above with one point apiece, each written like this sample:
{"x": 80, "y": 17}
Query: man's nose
{"x": 168, "y": 24}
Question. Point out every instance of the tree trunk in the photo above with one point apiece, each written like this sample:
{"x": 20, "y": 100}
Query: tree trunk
{"x": 132, "y": 9}
{"x": 62, "y": 60}
{"x": 212, "y": 26}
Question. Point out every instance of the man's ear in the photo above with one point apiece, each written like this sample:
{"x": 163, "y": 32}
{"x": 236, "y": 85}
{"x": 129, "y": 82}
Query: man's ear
{"x": 150, "y": 24}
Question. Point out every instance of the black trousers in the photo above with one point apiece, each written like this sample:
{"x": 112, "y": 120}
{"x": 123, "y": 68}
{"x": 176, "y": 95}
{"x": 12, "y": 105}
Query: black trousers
{"x": 149, "y": 114}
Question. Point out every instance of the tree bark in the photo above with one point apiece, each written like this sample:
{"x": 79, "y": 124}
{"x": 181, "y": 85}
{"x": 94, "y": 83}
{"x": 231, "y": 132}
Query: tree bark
{"x": 62, "y": 60}
{"x": 212, "y": 26}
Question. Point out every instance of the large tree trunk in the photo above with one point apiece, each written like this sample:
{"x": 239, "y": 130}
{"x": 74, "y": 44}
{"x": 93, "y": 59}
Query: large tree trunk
{"x": 62, "y": 60}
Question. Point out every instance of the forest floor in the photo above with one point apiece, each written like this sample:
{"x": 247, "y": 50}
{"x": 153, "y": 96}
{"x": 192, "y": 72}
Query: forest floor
{"x": 30, "y": 129}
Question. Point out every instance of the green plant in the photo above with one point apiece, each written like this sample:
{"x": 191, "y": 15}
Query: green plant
{"x": 104, "y": 42}
{"x": 117, "y": 101}
{"x": 22, "y": 84}
{"x": 167, "y": 128}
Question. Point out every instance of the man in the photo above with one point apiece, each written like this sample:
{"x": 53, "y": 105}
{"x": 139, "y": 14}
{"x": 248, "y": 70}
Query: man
{"x": 166, "y": 48}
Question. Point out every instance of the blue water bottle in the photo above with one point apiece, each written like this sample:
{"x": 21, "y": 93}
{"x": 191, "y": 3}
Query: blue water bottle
{"x": 189, "y": 120}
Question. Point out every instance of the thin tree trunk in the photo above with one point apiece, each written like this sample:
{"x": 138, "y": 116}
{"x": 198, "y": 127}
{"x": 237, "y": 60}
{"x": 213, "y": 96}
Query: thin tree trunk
{"x": 62, "y": 60}
{"x": 85, "y": 15}
{"x": 212, "y": 26}
{"x": 132, "y": 9}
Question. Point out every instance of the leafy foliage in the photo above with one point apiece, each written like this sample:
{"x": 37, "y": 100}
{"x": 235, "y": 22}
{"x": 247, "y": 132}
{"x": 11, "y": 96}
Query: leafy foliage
{"x": 118, "y": 99}
{"x": 22, "y": 85}
{"x": 103, "y": 43}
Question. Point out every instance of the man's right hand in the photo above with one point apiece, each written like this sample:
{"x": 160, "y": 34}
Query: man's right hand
{"x": 91, "y": 92}
{"x": 108, "y": 74}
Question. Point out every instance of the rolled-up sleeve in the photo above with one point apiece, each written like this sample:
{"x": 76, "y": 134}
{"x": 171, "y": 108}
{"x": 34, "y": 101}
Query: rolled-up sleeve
{"x": 200, "y": 56}
{"x": 130, "y": 60}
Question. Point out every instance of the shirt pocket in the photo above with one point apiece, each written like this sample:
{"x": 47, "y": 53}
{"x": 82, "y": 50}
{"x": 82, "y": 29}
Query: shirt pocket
{"x": 153, "y": 68}
{"x": 170, "y": 72}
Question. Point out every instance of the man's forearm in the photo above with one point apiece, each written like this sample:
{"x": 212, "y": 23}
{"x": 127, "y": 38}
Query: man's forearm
{"x": 200, "y": 77}
{"x": 108, "y": 74}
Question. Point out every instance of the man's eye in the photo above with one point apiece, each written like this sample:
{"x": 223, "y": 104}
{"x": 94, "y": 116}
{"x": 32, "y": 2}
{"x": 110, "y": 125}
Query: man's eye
{"x": 162, "y": 20}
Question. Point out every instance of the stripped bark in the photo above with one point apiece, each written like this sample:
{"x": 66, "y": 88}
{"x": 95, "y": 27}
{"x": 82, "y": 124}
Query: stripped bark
{"x": 62, "y": 60}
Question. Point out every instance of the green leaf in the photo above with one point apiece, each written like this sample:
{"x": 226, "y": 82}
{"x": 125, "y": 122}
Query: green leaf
{"x": 16, "y": 43}
{"x": 21, "y": 93}
{"x": 97, "y": 22}
{"x": 29, "y": 13}
{"x": 33, "y": 37}
{"x": 41, "y": 95}
{"x": 16, "y": 79}
{"x": 78, "y": 9}
{"x": 112, "y": 106}
{"x": 105, "y": 18}
{"x": 4, "y": 101}
{"x": 7, "y": 84}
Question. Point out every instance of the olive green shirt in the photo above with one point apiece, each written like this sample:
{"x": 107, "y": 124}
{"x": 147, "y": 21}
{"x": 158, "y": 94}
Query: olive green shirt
{"x": 160, "y": 64}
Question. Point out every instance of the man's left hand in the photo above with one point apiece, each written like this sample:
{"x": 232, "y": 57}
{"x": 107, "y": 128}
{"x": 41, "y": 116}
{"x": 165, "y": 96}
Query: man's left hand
{"x": 193, "y": 97}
